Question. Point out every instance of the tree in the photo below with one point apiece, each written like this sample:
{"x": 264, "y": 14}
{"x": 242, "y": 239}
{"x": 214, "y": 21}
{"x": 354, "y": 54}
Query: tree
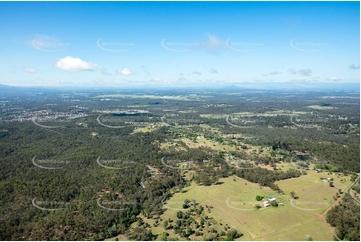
{"x": 140, "y": 234}
{"x": 293, "y": 194}
{"x": 165, "y": 224}
{"x": 185, "y": 205}
{"x": 233, "y": 234}
{"x": 164, "y": 236}
{"x": 179, "y": 214}
{"x": 274, "y": 204}
{"x": 346, "y": 218}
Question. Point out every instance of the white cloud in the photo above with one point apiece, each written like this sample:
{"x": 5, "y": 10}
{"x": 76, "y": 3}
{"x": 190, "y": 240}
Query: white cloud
{"x": 72, "y": 64}
{"x": 275, "y": 73}
{"x": 214, "y": 42}
{"x": 125, "y": 71}
{"x": 196, "y": 73}
{"x": 29, "y": 70}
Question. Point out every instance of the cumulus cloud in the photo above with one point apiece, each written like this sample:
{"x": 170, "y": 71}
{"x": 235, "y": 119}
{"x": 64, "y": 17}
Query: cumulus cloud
{"x": 275, "y": 73}
{"x": 213, "y": 71}
{"x": 125, "y": 71}
{"x": 29, "y": 70}
{"x": 72, "y": 64}
{"x": 305, "y": 72}
{"x": 353, "y": 67}
{"x": 196, "y": 73}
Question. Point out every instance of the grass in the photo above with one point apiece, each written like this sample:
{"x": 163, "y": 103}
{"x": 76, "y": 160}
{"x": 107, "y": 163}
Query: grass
{"x": 148, "y": 128}
{"x": 233, "y": 204}
{"x": 121, "y": 237}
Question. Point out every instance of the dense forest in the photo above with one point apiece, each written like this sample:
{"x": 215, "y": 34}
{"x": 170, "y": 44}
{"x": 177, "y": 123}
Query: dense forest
{"x": 76, "y": 198}
{"x": 346, "y": 218}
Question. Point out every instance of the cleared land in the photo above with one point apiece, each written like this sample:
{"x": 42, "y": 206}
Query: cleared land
{"x": 233, "y": 204}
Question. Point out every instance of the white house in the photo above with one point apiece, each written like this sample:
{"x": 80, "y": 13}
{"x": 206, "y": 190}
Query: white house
{"x": 272, "y": 199}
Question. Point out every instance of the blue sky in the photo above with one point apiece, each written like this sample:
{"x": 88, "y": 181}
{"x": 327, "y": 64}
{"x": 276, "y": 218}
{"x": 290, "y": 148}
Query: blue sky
{"x": 178, "y": 43}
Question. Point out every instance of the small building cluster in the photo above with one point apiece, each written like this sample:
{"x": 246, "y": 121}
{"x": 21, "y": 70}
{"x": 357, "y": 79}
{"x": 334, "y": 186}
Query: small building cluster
{"x": 267, "y": 203}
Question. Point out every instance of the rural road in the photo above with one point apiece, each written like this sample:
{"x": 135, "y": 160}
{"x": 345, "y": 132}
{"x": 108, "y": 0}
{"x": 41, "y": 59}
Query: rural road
{"x": 349, "y": 188}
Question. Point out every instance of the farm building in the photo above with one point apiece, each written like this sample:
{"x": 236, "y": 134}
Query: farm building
{"x": 272, "y": 199}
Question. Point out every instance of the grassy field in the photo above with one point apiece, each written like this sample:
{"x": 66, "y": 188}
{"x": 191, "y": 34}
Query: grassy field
{"x": 148, "y": 128}
{"x": 233, "y": 204}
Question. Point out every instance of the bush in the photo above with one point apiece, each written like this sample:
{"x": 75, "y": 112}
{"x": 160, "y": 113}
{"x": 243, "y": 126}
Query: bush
{"x": 274, "y": 204}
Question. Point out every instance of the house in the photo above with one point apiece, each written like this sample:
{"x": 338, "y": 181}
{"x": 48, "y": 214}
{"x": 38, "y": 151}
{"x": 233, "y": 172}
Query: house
{"x": 266, "y": 204}
{"x": 272, "y": 199}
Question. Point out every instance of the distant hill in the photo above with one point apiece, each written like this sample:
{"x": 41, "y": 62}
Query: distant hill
{"x": 6, "y": 88}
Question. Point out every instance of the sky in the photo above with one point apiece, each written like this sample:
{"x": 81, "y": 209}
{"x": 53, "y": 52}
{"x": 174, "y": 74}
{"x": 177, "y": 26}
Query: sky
{"x": 178, "y": 43}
